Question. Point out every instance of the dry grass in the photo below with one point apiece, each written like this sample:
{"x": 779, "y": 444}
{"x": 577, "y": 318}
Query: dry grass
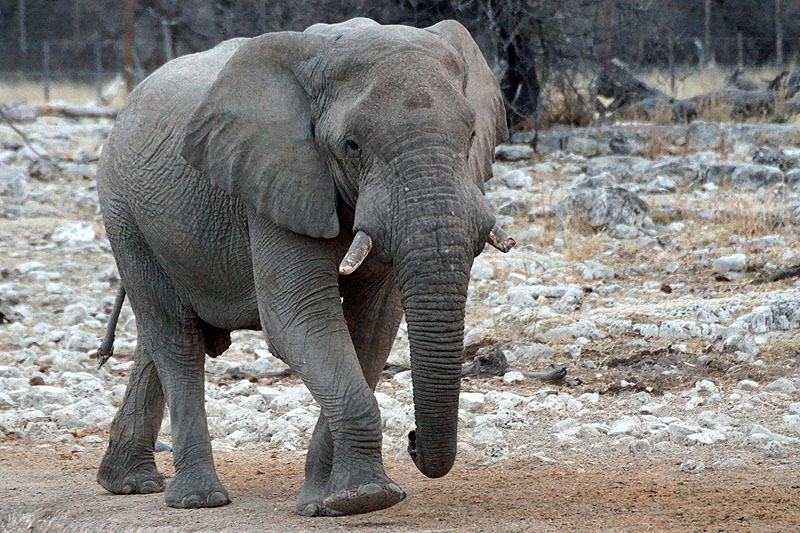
{"x": 715, "y": 111}
{"x": 657, "y": 148}
{"x": 581, "y": 244}
{"x": 568, "y": 106}
{"x": 32, "y": 91}
{"x": 750, "y": 216}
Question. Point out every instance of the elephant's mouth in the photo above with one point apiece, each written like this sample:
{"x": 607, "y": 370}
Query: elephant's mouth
{"x": 362, "y": 245}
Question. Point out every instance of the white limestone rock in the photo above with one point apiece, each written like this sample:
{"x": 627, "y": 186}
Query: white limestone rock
{"x": 77, "y": 233}
{"x": 513, "y": 152}
{"x": 472, "y": 401}
{"x": 730, "y": 263}
{"x": 692, "y": 467}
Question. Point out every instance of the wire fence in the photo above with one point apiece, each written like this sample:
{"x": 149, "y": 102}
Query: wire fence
{"x": 92, "y": 63}
{"x": 44, "y": 63}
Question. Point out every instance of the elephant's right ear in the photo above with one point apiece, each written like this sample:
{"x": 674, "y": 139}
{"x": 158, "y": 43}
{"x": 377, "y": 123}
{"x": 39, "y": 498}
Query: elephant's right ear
{"x": 483, "y": 93}
{"x": 252, "y": 136}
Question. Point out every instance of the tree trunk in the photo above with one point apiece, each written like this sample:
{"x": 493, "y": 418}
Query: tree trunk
{"x": 521, "y": 85}
{"x": 127, "y": 45}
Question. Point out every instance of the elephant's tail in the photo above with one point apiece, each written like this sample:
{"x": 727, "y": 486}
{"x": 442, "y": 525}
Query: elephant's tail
{"x": 107, "y": 347}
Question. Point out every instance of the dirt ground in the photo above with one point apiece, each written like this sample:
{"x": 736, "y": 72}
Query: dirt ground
{"x": 42, "y": 490}
{"x": 591, "y": 481}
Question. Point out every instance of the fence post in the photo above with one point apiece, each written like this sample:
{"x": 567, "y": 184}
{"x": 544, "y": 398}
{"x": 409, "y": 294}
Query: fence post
{"x": 98, "y": 71}
{"x": 166, "y": 32}
{"x": 46, "y": 69}
{"x": 640, "y": 53}
{"x": 23, "y": 34}
{"x": 609, "y": 14}
{"x": 709, "y": 54}
{"x": 740, "y": 48}
{"x": 671, "y": 62}
{"x": 778, "y": 34}
{"x": 128, "y": 22}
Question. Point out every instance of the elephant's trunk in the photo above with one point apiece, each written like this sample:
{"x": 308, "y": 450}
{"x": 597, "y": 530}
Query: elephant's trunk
{"x": 432, "y": 264}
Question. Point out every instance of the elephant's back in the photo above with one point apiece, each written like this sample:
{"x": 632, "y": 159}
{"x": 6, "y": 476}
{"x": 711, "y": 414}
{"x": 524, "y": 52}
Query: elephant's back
{"x": 154, "y": 116}
{"x": 164, "y": 101}
{"x": 196, "y": 231}
{"x": 141, "y": 159}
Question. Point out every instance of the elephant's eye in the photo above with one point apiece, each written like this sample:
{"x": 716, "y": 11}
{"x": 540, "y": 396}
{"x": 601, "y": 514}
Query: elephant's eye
{"x": 352, "y": 147}
{"x": 471, "y": 140}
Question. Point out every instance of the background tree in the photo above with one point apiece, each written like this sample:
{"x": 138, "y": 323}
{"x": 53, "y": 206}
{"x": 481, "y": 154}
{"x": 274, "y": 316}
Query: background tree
{"x": 536, "y": 48}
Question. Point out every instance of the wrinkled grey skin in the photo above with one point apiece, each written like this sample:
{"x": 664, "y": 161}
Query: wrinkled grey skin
{"x": 231, "y": 187}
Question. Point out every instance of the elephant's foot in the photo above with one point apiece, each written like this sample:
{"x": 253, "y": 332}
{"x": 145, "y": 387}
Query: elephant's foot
{"x": 355, "y": 489}
{"x": 190, "y": 490}
{"x": 138, "y": 478}
{"x": 310, "y": 501}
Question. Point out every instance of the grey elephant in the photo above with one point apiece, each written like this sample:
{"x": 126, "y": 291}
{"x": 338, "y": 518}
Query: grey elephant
{"x": 315, "y": 186}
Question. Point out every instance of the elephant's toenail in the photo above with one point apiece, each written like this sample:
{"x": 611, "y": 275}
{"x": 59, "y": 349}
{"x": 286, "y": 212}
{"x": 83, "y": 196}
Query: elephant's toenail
{"x": 394, "y": 488}
{"x": 312, "y": 509}
{"x": 370, "y": 488}
{"x": 191, "y": 502}
{"x": 216, "y": 499}
{"x": 148, "y": 487}
{"x": 307, "y": 510}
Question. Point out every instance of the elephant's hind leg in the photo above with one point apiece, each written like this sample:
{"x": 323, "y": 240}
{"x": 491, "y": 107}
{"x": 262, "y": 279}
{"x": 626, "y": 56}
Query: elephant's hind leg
{"x": 128, "y": 466}
{"x": 172, "y": 335}
{"x": 178, "y": 347}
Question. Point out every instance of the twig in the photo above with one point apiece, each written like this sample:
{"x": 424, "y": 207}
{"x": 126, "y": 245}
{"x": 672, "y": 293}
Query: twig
{"x": 20, "y": 133}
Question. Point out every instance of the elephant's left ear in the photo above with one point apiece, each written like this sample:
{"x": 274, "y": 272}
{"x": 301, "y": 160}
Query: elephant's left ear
{"x": 483, "y": 93}
{"x": 252, "y": 136}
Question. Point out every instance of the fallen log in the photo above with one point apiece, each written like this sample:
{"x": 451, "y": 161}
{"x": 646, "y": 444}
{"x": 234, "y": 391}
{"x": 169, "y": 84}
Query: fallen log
{"x": 792, "y": 85}
{"x": 633, "y": 98}
{"x": 29, "y": 113}
{"x": 626, "y": 90}
{"x": 786, "y": 84}
{"x": 737, "y": 103}
{"x": 736, "y": 81}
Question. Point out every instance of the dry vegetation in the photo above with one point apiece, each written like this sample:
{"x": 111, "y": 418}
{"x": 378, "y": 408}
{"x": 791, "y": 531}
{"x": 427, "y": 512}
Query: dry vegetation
{"x": 699, "y": 81}
{"x": 569, "y": 99}
{"x": 14, "y": 89}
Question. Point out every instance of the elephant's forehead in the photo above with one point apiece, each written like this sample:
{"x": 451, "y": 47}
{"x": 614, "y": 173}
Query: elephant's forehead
{"x": 388, "y": 51}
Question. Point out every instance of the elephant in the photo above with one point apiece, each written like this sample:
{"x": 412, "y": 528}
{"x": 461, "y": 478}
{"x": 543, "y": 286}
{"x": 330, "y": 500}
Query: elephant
{"x": 314, "y": 186}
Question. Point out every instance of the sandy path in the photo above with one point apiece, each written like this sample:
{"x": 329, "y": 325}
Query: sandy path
{"x": 41, "y": 490}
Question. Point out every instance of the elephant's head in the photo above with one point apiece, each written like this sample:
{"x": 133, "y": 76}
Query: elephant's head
{"x": 397, "y": 127}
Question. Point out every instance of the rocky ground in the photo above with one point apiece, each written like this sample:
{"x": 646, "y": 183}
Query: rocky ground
{"x": 658, "y": 264}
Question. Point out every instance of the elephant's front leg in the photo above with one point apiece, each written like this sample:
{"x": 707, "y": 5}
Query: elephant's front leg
{"x": 372, "y": 309}
{"x": 301, "y": 313}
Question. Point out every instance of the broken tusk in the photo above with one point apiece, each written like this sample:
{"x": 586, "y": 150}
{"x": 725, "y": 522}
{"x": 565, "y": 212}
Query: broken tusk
{"x": 359, "y": 250}
{"x": 501, "y": 240}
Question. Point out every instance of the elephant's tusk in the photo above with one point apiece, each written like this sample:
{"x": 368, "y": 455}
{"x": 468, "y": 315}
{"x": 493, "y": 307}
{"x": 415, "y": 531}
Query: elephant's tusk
{"x": 500, "y": 239}
{"x": 359, "y": 250}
